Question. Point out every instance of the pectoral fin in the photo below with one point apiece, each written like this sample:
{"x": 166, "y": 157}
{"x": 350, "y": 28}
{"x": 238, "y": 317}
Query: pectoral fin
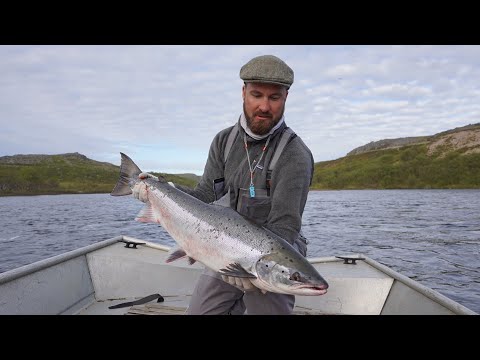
{"x": 236, "y": 270}
{"x": 179, "y": 254}
{"x": 146, "y": 214}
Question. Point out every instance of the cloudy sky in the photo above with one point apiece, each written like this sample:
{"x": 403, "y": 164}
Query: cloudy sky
{"x": 162, "y": 105}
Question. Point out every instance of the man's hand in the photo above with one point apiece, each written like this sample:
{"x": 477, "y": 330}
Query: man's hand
{"x": 145, "y": 175}
{"x": 140, "y": 189}
{"x": 243, "y": 284}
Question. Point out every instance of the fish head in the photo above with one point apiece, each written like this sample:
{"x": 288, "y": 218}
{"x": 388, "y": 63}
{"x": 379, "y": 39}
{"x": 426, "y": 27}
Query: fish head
{"x": 289, "y": 274}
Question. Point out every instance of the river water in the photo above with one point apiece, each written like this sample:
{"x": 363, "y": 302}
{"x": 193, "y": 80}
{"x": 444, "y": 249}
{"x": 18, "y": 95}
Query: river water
{"x": 432, "y": 236}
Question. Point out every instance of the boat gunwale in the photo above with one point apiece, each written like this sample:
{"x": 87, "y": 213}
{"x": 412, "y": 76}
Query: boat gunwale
{"x": 430, "y": 293}
{"x": 21, "y": 271}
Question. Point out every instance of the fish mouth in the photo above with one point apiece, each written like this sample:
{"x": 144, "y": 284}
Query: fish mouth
{"x": 308, "y": 289}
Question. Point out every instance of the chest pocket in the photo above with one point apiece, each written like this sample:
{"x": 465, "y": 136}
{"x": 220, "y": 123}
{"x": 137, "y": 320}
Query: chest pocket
{"x": 256, "y": 208}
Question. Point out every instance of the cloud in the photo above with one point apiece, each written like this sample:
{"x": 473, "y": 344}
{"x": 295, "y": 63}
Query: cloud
{"x": 166, "y": 103}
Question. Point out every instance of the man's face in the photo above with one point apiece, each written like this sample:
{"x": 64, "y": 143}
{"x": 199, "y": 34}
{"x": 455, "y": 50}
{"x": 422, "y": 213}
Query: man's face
{"x": 263, "y": 105}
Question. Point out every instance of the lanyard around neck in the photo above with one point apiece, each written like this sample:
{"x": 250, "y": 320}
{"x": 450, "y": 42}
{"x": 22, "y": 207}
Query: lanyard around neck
{"x": 252, "y": 171}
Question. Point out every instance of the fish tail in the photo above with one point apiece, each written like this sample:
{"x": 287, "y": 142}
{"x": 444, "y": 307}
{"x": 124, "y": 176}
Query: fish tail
{"x": 129, "y": 171}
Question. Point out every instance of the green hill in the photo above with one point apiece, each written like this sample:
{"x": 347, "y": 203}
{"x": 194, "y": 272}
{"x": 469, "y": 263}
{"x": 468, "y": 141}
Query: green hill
{"x": 448, "y": 160}
{"x": 62, "y": 174}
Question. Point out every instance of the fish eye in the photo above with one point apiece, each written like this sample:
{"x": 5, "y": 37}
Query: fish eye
{"x": 295, "y": 276}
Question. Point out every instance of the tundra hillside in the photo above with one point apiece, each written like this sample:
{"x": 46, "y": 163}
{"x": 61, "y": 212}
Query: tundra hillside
{"x": 447, "y": 160}
{"x": 71, "y": 173}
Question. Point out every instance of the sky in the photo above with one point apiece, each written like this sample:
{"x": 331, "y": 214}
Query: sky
{"x": 163, "y": 104}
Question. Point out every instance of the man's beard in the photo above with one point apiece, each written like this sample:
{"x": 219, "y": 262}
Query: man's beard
{"x": 262, "y": 127}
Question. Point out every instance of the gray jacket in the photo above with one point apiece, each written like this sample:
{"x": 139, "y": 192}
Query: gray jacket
{"x": 281, "y": 211}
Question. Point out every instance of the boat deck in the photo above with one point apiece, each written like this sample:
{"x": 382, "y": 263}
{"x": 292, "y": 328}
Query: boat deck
{"x": 160, "y": 309}
{"x": 172, "y": 305}
{"x": 156, "y": 309}
{"x": 89, "y": 280}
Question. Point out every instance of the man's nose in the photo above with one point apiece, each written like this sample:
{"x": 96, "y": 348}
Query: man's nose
{"x": 264, "y": 105}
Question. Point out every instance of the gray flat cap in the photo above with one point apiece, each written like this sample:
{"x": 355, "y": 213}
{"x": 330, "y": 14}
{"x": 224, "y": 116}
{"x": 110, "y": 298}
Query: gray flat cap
{"x": 267, "y": 69}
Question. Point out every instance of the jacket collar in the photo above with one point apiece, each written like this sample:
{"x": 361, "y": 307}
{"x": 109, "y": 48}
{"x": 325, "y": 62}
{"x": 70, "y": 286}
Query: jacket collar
{"x": 242, "y": 123}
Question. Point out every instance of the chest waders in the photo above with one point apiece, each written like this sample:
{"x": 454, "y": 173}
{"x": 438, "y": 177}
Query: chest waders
{"x": 212, "y": 295}
{"x": 258, "y": 207}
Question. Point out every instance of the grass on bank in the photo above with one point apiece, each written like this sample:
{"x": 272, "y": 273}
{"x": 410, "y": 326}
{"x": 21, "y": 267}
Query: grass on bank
{"x": 404, "y": 168}
{"x": 59, "y": 175}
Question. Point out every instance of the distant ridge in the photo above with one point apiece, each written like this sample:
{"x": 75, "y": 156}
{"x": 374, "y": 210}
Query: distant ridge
{"x": 69, "y": 173}
{"x": 36, "y": 158}
{"x": 399, "y": 142}
{"x": 447, "y": 160}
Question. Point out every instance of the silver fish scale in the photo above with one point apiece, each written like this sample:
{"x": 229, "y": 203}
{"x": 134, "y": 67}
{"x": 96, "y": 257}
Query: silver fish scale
{"x": 211, "y": 234}
{"x": 221, "y": 238}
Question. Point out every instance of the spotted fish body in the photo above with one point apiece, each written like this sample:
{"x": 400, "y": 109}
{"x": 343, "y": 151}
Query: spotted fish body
{"x": 220, "y": 238}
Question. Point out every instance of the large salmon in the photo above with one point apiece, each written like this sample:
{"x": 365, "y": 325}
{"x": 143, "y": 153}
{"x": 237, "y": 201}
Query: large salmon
{"x": 220, "y": 238}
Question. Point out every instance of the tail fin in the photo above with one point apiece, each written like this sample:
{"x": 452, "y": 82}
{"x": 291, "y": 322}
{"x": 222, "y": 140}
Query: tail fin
{"x": 128, "y": 171}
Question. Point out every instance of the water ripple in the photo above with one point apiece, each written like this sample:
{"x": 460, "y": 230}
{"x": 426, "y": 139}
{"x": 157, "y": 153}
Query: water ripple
{"x": 431, "y": 236}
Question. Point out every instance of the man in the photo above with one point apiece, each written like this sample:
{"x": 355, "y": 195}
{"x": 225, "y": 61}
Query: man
{"x": 274, "y": 198}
